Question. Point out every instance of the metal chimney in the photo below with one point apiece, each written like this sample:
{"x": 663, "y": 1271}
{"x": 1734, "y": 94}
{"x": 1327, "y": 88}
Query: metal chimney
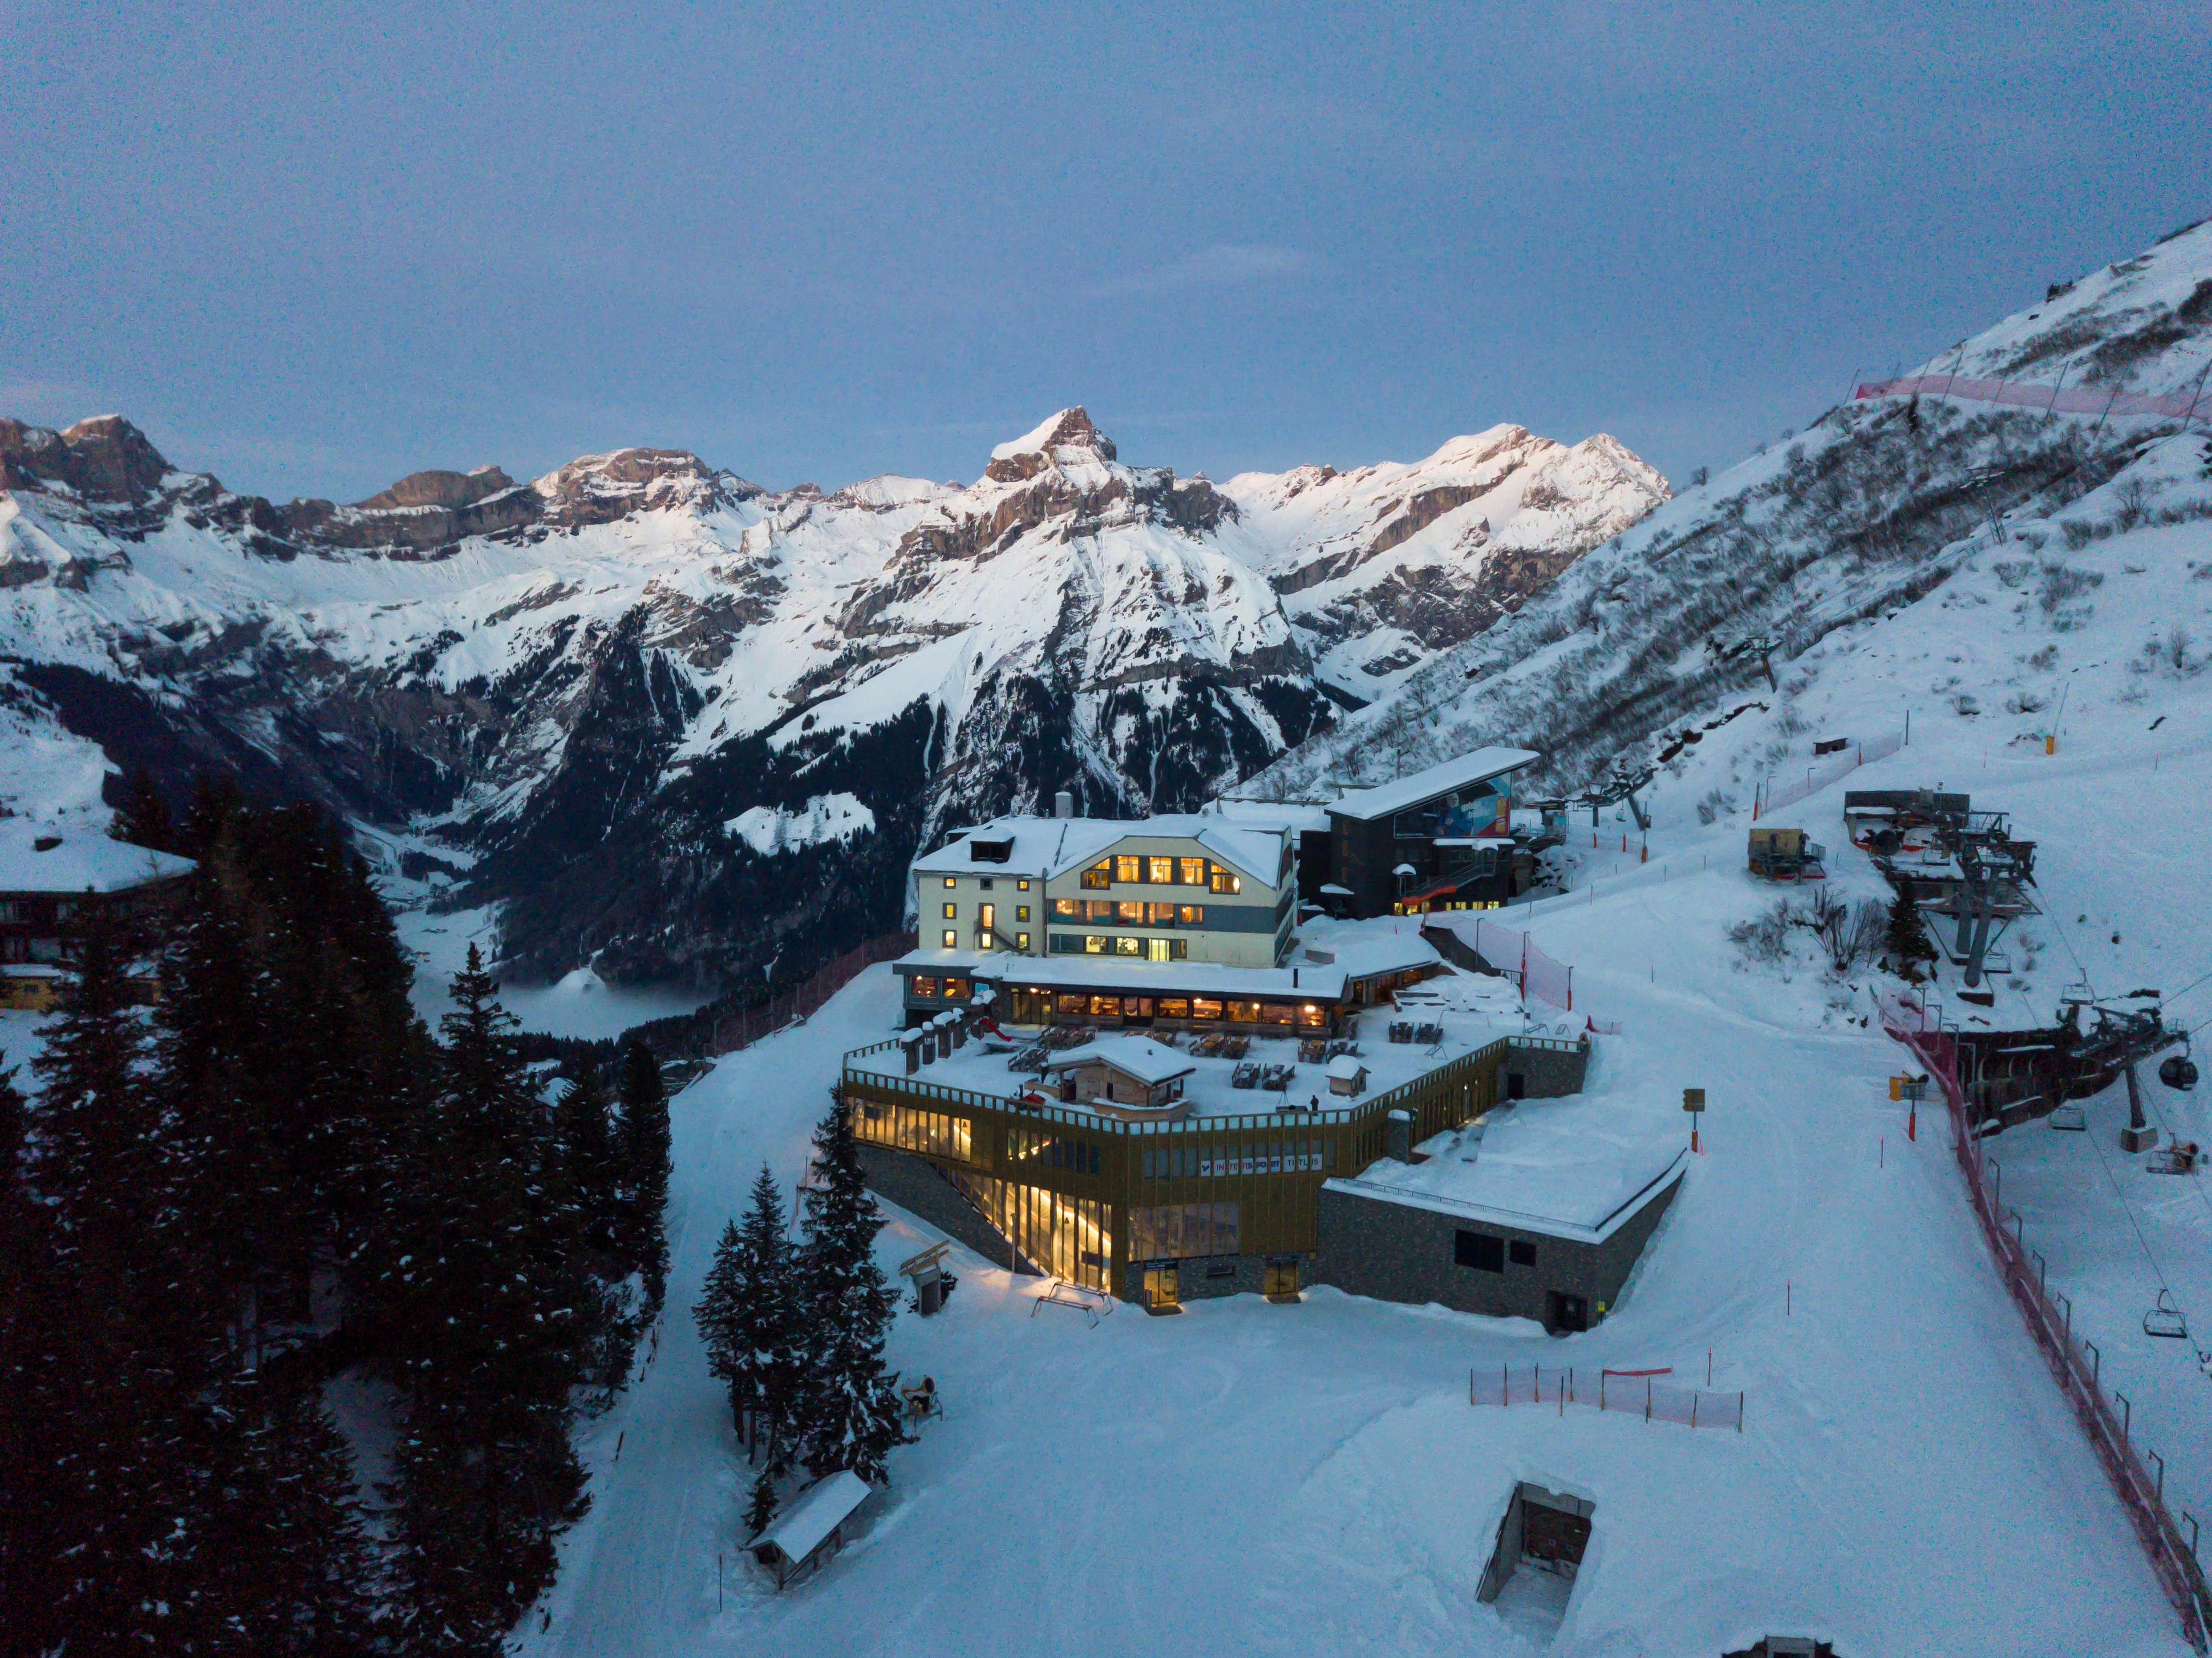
{"x": 1063, "y": 805}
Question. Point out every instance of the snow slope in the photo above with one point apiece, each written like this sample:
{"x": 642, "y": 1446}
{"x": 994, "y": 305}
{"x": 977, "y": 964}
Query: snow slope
{"x": 1872, "y": 506}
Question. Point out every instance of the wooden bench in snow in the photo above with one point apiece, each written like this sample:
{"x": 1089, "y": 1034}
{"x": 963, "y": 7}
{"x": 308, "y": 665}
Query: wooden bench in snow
{"x": 814, "y": 1527}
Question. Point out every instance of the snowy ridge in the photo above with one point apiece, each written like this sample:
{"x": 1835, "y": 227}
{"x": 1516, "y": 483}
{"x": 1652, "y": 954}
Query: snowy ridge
{"x": 1869, "y": 510}
{"x": 510, "y": 671}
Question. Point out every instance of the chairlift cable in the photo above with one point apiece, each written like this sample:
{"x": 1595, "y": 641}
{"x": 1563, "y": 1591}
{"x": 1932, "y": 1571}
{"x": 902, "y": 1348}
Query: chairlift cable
{"x": 2148, "y": 1253}
{"x": 2201, "y": 979}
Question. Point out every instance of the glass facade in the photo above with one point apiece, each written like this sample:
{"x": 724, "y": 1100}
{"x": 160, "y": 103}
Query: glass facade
{"x": 1176, "y": 1231}
{"x": 910, "y": 1129}
{"x": 1069, "y": 1238}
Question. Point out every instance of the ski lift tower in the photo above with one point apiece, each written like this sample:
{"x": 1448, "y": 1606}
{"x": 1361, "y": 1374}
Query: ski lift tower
{"x": 1995, "y": 872}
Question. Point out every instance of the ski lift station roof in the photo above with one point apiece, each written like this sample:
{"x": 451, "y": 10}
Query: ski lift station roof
{"x": 810, "y": 1521}
{"x": 1463, "y": 772}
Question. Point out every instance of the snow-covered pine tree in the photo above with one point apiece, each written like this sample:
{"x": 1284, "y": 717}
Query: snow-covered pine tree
{"x": 751, "y": 1320}
{"x": 645, "y": 1155}
{"x": 281, "y": 1561}
{"x": 1905, "y": 941}
{"x": 122, "y": 1357}
{"x": 497, "y": 1318}
{"x": 760, "y": 1508}
{"x": 589, "y": 1165}
{"x": 848, "y": 1408}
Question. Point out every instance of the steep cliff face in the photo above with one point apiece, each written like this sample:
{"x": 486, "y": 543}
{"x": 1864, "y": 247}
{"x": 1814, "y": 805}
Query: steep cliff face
{"x": 561, "y": 694}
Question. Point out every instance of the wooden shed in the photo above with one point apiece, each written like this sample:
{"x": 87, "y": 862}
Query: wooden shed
{"x": 813, "y": 1529}
{"x": 1129, "y": 1071}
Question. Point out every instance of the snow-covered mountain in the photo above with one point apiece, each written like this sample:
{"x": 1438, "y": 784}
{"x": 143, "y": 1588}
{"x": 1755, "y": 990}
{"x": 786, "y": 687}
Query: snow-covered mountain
{"x": 1618, "y": 664}
{"x": 1385, "y": 565}
{"x": 585, "y": 695}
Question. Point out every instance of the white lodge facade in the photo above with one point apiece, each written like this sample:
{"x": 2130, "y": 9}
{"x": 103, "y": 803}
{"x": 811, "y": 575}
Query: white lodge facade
{"x": 1184, "y": 889}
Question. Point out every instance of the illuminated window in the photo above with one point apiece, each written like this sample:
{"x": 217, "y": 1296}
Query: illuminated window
{"x": 1244, "y": 1013}
{"x": 1175, "y": 1008}
{"x": 1159, "y": 915}
{"x": 1125, "y": 867}
{"x": 951, "y": 911}
{"x": 1024, "y": 885}
{"x": 925, "y": 984}
{"x": 1073, "y": 1004}
{"x": 1159, "y": 869}
{"x": 1311, "y": 1018}
{"x": 1276, "y": 1013}
{"x": 1021, "y": 912}
{"x": 955, "y": 990}
{"x": 1099, "y": 876}
{"x": 1129, "y": 910}
{"x": 1225, "y": 882}
{"x": 1191, "y": 914}
{"x": 1021, "y": 941}
{"x": 1128, "y": 946}
{"x": 983, "y": 941}
{"x": 1093, "y": 945}
{"x": 1098, "y": 909}
{"x": 1204, "y": 1007}
{"x": 1105, "y": 1007}
{"x": 987, "y": 916}
{"x": 1156, "y": 950}
{"x": 1191, "y": 872}
{"x": 949, "y": 882}
{"x": 1065, "y": 906}
{"x": 952, "y": 939}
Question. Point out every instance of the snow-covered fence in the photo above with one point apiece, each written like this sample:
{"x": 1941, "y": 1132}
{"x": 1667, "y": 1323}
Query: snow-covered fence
{"x": 1777, "y": 794}
{"x": 2174, "y": 1556}
{"x": 2049, "y": 399}
{"x": 1513, "y": 953}
{"x": 1635, "y": 1393}
{"x": 748, "y": 1025}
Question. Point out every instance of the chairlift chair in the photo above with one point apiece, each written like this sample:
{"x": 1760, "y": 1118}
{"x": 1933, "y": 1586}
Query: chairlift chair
{"x": 2178, "y": 1071}
{"x": 2166, "y": 1319}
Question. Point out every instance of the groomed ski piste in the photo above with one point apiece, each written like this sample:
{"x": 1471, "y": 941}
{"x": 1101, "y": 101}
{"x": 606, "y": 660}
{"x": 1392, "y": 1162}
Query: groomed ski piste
{"x": 1312, "y": 1478}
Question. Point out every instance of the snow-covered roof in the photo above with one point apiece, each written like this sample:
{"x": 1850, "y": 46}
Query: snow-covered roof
{"x": 1584, "y": 1196}
{"x": 78, "y": 861}
{"x": 1347, "y": 1067}
{"x": 820, "y": 1511}
{"x": 1051, "y": 846}
{"x": 1297, "y": 817}
{"x": 1140, "y": 1057}
{"x": 1463, "y": 772}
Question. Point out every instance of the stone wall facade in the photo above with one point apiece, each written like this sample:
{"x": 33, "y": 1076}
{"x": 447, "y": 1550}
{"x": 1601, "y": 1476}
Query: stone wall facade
{"x": 1546, "y": 1073}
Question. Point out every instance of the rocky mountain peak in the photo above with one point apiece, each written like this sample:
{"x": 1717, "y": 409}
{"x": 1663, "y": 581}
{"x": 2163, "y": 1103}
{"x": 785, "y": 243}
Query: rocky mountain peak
{"x": 1028, "y": 455}
{"x": 105, "y": 458}
{"x": 436, "y": 489}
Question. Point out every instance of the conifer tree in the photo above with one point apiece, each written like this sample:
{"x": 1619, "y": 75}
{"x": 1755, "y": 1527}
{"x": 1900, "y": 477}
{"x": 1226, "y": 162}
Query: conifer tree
{"x": 1906, "y": 941}
{"x": 502, "y": 1318}
{"x": 760, "y": 1510}
{"x": 588, "y": 1163}
{"x": 750, "y": 1319}
{"x": 144, "y": 818}
{"x": 645, "y": 1156}
{"x": 848, "y": 1409}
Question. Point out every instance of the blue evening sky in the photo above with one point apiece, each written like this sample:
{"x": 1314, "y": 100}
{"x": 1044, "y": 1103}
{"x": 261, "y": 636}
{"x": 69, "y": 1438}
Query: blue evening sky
{"x": 310, "y": 247}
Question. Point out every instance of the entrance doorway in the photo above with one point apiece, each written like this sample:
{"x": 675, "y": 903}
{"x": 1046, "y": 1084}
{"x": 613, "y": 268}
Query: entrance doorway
{"x": 1279, "y": 1279}
{"x": 1566, "y": 1313}
{"x": 1160, "y": 1293}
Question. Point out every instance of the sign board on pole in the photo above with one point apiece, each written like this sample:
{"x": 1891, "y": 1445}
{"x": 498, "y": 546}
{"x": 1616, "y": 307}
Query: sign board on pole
{"x": 1693, "y": 1099}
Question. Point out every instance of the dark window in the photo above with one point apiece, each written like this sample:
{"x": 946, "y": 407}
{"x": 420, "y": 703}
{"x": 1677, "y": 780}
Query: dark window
{"x": 1516, "y": 1085}
{"x": 1478, "y": 1250}
{"x": 1222, "y": 1269}
{"x": 1522, "y": 1254}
